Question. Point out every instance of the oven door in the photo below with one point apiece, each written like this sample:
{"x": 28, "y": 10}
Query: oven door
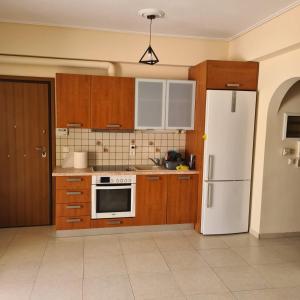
{"x": 113, "y": 201}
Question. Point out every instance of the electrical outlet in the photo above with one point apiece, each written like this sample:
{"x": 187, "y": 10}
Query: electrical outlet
{"x": 132, "y": 150}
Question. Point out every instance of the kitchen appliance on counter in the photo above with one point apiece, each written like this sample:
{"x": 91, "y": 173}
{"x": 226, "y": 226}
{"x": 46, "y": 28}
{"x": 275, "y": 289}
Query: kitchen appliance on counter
{"x": 229, "y": 129}
{"x": 172, "y": 160}
{"x": 113, "y": 196}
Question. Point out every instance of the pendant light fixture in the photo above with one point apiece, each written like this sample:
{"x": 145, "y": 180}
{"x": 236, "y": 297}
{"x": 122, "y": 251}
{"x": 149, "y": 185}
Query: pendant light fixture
{"x": 149, "y": 57}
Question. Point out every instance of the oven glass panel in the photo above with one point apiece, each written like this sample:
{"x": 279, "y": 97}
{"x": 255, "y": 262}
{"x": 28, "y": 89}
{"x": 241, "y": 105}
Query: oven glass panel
{"x": 113, "y": 200}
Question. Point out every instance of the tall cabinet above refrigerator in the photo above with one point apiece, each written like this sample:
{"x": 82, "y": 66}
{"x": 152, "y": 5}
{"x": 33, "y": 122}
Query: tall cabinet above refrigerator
{"x": 224, "y": 113}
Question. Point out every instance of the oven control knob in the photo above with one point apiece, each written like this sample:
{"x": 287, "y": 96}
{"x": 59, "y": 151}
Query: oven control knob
{"x": 121, "y": 180}
{"x": 117, "y": 180}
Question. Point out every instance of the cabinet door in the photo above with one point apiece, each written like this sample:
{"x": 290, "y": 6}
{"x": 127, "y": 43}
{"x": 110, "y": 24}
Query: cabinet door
{"x": 180, "y": 104}
{"x": 182, "y": 199}
{"x": 73, "y": 100}
{"x": 150, "y": 103}
{"x": 151, "y": 199}
{"x": 112, "y": 102}
{"x": 232, "y": 74}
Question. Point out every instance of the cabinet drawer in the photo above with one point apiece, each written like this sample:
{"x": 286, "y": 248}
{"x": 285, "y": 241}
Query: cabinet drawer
{"x": 232, "y": 75}
{"x": 73, "y": 209}
{"x": 113, "y": 222}
{"x": 73, "y": 196}
{"x": 77, "y": 222}
{"x": 65, "y": 182}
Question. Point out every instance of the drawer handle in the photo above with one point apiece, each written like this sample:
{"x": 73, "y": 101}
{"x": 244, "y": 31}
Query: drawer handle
{"x": 233, "y": 85}
{"x": 73, "y": 193}
{"x": 73, "y": 220}
{"x": 74, "y": 125}
{"x": 153, "y": 178}
{"x": 113, "y": 125}
{"x": 114, "y": 222}
{"x": 74, "y": 179}
{"x": 184, "y": 177}
{"x": 73, "y": 206}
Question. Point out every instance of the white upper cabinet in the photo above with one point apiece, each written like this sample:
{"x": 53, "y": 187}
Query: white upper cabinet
{"x": 180, "y": 104}
{"x": 164, "y": 104}
{"x": 150, "y": 95}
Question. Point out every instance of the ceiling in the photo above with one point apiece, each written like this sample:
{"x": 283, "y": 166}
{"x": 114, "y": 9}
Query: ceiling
{"x": 223, "y": 19}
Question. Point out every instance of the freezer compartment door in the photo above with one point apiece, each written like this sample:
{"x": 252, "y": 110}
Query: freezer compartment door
{"x": 225, "y": 207}
{"x": 229, "y": 127}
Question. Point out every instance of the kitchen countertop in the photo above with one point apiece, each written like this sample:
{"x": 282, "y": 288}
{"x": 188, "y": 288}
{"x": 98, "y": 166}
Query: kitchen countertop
{"x": 59, "y": 171}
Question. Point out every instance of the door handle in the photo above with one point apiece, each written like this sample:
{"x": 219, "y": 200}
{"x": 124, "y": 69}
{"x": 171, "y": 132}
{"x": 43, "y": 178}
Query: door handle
{"x": 233, "y": 85}
{"x": 73, "y": 179}
{"x": 209, "y": 195}
{"x": 181, "y": 177}
{"x": 73, "y": 193}
{"x": 42, "y": 149}
{"x": 113, "y": 125}
{"x": 153, "y": 178}
{"x": 73, "y": 206}
{"x": 73, "y": 220}
{"x": 74, "y": 125}
{"x": 210, "y": 166}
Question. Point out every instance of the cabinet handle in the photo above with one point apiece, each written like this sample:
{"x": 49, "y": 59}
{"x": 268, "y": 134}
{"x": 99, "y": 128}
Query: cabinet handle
{"x": 73, "y": 193}
{"x": 233, "y": 85}
{"x": 74, "y": 220}
{"x": 74, "y": 125}
{"x": 153, "y": 178}
{"x": 113, "y": 126}
{"x": 184, "y": 177}
{"x": 74, "y": 179}
{"x": 210, "y": 166}
{"x": 209, "y": 195}
{"x": 114, "y": 222}
{"x": 73, "y": 206}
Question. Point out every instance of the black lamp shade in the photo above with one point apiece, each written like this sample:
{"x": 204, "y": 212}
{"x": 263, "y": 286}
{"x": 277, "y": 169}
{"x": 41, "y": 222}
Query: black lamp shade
{"x": 149, "y": 57}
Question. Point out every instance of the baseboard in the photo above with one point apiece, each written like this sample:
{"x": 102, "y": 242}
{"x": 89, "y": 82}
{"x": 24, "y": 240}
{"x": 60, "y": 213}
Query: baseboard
{"x": 278, "y": 235}
{"x": 120, "y": 230}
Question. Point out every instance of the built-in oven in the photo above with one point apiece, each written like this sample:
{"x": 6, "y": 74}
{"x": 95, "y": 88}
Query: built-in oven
{"x": 113, "y": 196}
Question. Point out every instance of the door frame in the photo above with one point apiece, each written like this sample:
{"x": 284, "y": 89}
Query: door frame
{"x": 52, "y": 140}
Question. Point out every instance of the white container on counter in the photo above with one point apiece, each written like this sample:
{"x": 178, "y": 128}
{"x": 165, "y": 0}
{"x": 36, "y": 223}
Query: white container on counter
{"x": 80, "y": 160}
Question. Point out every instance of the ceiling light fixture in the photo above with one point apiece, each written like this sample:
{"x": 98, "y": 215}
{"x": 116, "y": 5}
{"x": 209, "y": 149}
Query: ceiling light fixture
{"x": 149, "y": 57}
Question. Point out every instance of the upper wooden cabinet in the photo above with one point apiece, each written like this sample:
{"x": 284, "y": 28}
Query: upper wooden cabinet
{"x": 164, "y": 104}
{"x": 112, "y": 102}
{"x": 73, "y": 100}
{"x": 182, "y": 199}
{"x": 151, "y": 199}
{"x": 231, "y": 75}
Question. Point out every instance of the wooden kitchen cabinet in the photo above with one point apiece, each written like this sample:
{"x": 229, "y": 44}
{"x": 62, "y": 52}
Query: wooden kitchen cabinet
{"x": 182, "y": 199}
{"x": 151, "y": 199}
{"x": 73, "y": 100}
{"x": 229, "y": 75}
{"x": 112, "y": 102}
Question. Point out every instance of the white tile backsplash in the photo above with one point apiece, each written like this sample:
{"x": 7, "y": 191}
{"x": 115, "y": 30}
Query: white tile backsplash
{"x": 110, "y": 148}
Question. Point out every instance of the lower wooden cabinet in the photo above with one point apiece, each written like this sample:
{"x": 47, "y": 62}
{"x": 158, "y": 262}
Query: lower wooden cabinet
{"x": 74, "y": 222}
{"x": 151, "y": 200}
{"x": 117, "y": 222}
{"x": 182, "y": 199}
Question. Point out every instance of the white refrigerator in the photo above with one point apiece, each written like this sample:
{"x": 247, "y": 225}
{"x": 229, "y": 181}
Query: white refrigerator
{"x": 228, "y": 147}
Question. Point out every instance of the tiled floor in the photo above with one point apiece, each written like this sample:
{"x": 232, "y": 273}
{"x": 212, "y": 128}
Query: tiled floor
{"x": 170, "y": 265}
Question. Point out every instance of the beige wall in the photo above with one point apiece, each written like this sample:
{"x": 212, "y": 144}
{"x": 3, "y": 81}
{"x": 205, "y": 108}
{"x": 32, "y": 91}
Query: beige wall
{"x": 276, "y": 45}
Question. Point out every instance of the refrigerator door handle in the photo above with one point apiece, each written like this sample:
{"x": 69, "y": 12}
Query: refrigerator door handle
{"x": 210, "y": 166}
{"x": 209, "y": 195}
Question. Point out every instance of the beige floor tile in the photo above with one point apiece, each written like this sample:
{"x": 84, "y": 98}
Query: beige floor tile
{"x": 184, "y": 259}
{"x": 63, "y": 270}
{"x": 270, "y": 294}
{"x": 62, "y": 289}
{"x": 241, "y": 278}
{"x": 154, "y": 285}
{"x": 15, "y": 291}
{"x": 290, "y": 253}
{"x": 115, "y": 287}
{"x": 200, "y": 242}
{"x": 222, "y": 258}
{"x": 281, "y": 275}
{"x": 222, "y": 296}
{"x": 138, "y": 245}
{"x": 201, "y": 281}
{"x": 260, "y": 255}
{"x": 146, "y": 262}
{"x": 175, "y": 243}
{"x": 104, "y": 266}
{"x": 96, "y": 246}
{"x": 135, "y": 235}
{"x": 241, "y": 240}
{"x": 168, "y": 234}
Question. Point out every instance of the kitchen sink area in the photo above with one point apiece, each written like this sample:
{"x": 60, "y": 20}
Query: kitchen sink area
{"x": 135, "y": 168}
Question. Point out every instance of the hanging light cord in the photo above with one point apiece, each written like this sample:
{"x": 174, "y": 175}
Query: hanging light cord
{"x": 150, "y": 31}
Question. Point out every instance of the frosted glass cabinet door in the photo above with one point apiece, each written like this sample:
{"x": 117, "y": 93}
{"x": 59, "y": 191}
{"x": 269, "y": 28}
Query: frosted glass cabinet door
{"x": 180, "y": 104}
{"x": 150, "y": 104}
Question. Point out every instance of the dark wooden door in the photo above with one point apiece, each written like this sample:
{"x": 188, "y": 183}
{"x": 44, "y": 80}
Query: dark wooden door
{"x": 151, "y": 199}
{"x": 112, "y": 102}
{"x": 182, "y": 199}
{"x": 24, "y": 154}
